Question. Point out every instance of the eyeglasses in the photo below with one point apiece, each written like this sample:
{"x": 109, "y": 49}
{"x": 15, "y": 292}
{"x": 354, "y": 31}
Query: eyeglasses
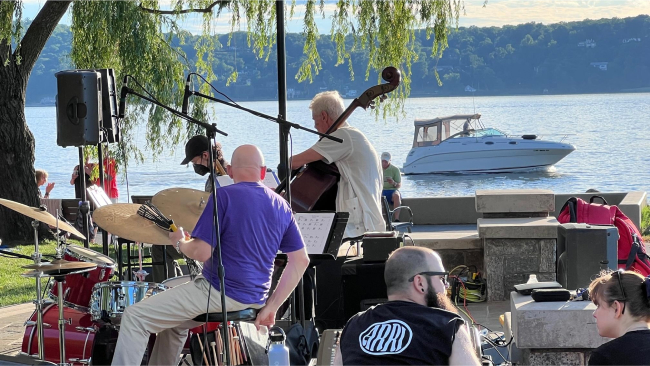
{"x": 620, "y": 284}
{"x": 444, "y": 278}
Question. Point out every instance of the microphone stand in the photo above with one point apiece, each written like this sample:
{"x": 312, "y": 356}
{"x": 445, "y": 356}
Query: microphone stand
{"x": 211, "y": 130}
{"x": 284, "y": 141}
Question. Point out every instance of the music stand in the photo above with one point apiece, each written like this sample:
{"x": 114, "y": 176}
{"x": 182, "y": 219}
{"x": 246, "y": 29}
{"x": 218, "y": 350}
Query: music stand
{"x": 320, "y": 247}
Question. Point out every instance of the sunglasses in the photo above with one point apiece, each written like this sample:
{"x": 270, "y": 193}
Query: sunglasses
{"x": 444, "y": 277}
{"x": 620, "y": 284}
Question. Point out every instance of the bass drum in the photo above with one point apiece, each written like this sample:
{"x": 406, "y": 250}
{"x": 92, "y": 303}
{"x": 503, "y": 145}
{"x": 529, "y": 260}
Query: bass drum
{"x": 86, "y": 342}
{"x": 79, "y": 335}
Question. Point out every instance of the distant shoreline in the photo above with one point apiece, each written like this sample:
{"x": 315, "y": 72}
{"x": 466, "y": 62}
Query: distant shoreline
{"x": 437, "y": 95}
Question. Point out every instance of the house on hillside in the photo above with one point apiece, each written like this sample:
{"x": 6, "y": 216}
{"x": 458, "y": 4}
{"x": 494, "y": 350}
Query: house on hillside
{"x": 600, "y": 65}
{"x": 589, "y": 43}
{"x": 440, "y": 69}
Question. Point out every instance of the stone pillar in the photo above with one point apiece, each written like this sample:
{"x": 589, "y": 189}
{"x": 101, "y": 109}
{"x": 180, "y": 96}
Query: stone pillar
{"x": 553, "y": 333}
{"x": 519, "y": 237}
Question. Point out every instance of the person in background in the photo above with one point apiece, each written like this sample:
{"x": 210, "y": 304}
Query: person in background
{"x": 110, "y": 177}
{"x": 88, "y": 170}
{"x": 424, "y": 326}
{"x": 196, "y": 152}
{"x": 41, "y": 179}
{"x": 392, "y": 183}
{"x": 622, "y": 300}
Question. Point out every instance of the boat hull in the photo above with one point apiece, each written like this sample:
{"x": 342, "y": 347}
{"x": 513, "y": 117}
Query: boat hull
{"x": 485, "y": 156}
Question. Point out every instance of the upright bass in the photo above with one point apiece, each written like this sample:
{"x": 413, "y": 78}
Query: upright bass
{"x": 315, "y": 187}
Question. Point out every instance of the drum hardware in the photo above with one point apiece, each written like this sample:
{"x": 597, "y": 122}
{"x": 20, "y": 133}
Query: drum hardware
{"x": 76, "y": 360}
{"x": 57, "y": 269}
{"x": 78, "y": 287}
{"x": 85, "y": 329}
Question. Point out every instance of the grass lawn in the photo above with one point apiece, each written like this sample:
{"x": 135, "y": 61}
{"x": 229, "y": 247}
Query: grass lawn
{"x": 16, "y": 289}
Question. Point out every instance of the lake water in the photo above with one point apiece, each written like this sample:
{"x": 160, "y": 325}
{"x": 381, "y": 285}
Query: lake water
{"x": 610, "y": 132}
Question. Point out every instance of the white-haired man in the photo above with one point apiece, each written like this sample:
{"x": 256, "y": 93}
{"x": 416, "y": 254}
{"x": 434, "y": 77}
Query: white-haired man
{"x": 360, "y": 186}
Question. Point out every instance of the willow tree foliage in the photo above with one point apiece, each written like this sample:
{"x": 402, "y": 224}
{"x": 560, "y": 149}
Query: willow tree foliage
{"x": 134, "y": 38}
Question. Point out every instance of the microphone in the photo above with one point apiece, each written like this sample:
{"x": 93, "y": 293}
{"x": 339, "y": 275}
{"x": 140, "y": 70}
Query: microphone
{"x": 186, "y": 94}
{"x": 123, "y": 93}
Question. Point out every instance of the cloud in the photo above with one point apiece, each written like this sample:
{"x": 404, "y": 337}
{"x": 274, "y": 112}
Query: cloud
{"x": 502, "y": 12}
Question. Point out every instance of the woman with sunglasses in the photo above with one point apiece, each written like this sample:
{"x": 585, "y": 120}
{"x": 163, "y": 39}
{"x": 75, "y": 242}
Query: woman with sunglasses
{"x": 622, "y": 300}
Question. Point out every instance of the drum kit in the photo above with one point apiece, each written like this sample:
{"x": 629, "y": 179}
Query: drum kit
{"x": 82, "y": 313}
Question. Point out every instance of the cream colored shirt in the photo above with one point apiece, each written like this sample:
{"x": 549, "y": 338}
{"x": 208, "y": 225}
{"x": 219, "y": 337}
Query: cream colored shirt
{"x": 359, "y": 189}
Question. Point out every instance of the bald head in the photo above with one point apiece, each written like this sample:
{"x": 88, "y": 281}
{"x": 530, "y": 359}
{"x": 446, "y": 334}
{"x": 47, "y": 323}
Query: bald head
{"x": 247, "y": 164}
{"x": 405, "y": 262}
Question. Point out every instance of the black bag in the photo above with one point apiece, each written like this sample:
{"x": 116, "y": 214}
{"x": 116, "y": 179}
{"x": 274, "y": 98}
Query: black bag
{"x": 551, "y": 294}
{"x": 302, "y": 343}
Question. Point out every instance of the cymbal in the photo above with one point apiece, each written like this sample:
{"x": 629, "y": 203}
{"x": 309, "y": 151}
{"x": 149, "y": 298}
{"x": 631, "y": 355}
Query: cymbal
{"x": 59, "y": 267}
{"x": 50, "y": 273}
{"x": 183, "y": 205}
{"x": 122, "y": 219}
{"x": 41, "y": 215}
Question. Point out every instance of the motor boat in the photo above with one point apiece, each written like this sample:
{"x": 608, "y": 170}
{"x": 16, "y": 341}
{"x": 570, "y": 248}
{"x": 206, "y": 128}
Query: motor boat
{"x": 462, "y": 144}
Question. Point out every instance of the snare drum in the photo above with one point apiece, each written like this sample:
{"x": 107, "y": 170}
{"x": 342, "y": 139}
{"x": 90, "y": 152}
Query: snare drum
{"x": 109, "y": 299}
{"x": 77, "y": 288}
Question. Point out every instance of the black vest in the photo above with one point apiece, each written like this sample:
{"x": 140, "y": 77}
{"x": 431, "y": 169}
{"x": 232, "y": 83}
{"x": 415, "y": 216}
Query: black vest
{"x": 399, "y": 333}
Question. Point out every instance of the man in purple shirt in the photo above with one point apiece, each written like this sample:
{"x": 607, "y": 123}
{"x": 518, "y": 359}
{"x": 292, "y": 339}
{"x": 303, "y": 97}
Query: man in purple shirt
{"x": 255, "y": 223}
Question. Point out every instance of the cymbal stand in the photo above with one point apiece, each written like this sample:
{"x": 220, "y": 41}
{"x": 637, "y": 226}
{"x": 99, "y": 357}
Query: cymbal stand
{"x": 39, "y": 301}
{"x": 140, "y": 274}
{"x": 62, "y": 322}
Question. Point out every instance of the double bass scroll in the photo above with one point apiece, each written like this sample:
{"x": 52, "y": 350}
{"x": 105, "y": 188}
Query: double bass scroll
{"x": 315, "y": 187}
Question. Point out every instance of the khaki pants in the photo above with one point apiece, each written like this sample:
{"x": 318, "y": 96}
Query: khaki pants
{"x": 169, "y": 314}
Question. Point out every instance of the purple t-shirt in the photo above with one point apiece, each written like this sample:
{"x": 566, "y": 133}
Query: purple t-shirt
{"x": 255, "y": 223}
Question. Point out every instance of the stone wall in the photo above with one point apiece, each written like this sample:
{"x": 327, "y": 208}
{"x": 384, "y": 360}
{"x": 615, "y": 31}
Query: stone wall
{"x": 545, "y": 357}
{"x": 510, "y": 262}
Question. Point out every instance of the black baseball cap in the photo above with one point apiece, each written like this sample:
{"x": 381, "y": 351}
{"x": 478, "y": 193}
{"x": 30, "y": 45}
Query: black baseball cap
{"x": 195, "y": 147}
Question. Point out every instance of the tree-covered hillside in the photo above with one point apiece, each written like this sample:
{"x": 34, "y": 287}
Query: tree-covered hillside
{"x": 591, "y": 56}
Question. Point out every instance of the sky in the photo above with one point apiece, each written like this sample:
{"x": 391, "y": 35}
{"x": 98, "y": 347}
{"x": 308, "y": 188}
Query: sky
{"x": 495, "y": 13}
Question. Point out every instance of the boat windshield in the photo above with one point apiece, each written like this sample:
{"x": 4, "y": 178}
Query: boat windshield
{"x": 485, "y": 132}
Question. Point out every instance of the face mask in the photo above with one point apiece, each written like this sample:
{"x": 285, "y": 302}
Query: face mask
{"x": 201, "y": 169}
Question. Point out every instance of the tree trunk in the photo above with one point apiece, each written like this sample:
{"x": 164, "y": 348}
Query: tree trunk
{"x": 18, "y": 181}
{"x": 16, "y": 156}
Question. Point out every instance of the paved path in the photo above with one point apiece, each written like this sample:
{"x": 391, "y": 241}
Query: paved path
{"x": 12, "y": 328}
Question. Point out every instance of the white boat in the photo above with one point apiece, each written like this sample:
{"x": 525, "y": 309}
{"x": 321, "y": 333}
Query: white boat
{"x": 461, "y": 144}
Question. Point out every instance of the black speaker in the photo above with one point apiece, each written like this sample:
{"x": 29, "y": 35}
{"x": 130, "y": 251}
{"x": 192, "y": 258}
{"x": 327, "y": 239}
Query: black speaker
{"x": 22, "y": 360}
{"x": 78, "y": 107}
{"x": 363, "y": 286}
{"x": 583, "y": 251}
{"x": 110, "y": 128}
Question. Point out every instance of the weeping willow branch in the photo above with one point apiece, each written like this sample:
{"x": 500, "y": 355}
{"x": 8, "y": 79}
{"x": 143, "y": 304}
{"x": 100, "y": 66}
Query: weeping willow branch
{"x": 208, "y": 9}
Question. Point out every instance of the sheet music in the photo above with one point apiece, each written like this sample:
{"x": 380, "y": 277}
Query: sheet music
{"x": 98, "y": 196}
{"x": 315, "y": 227}
{"x": 270, "y": 180}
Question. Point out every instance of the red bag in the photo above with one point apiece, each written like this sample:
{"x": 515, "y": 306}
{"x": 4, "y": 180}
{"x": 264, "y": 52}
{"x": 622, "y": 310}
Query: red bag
{"x": 631, "y": 250}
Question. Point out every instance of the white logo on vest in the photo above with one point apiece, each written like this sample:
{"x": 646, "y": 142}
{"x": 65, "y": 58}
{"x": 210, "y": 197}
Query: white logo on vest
{"x": 385, "y": 338}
